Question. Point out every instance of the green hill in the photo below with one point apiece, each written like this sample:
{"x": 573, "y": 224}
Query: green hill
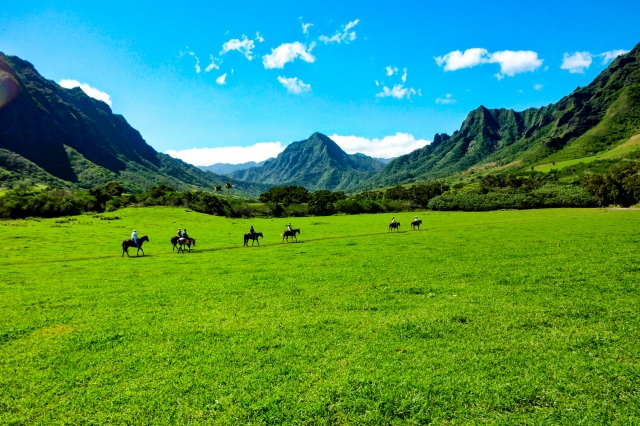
{"x": 591, "y": 120}
{"x": 315, "y": 163}
{"x": 56, "y": 136}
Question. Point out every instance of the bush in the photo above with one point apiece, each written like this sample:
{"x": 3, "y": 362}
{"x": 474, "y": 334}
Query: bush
{"x": 546, "y": 196}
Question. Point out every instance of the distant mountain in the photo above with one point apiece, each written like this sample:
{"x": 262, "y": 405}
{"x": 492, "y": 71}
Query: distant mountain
{"x": 379, "y": 160}
{"x": 226, "y": 168}
{"x": 315, "y": 163}
{"x": 592, "y": 119}
{"x": 60, "y": 136}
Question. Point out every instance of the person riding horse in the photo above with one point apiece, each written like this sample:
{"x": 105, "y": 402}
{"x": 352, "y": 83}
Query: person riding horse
{"x": 134, "y": 237}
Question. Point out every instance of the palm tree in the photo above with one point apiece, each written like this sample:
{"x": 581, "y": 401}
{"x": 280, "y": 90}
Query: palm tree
{"x": 228, "y": 185}
{"x": 217, "y": 188}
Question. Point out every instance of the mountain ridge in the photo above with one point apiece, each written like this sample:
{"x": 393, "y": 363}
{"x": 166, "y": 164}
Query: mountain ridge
{"x": 315, "y": 163}
{"x": 62, "y": 136}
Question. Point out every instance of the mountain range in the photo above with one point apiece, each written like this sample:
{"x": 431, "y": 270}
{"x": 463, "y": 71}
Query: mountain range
{"x": 58, "y": 136}
{"x": 226, "y": 168}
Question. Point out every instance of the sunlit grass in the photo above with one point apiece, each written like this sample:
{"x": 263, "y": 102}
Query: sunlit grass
{"x": 500, "y": 317}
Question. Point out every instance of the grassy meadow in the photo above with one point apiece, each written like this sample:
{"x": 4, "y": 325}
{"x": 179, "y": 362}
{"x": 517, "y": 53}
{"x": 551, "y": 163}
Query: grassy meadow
{"x": 506, "y": 317}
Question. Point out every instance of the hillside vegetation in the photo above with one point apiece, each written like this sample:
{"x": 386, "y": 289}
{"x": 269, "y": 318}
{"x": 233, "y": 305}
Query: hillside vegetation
{"x": 592, "y": 119}
{"x": 56, "y": 136}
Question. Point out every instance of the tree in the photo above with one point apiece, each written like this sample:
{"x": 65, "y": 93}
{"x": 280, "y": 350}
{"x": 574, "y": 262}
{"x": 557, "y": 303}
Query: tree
{"x": 228, "y": 185}
{"x": 114, "y": 189}
{"x": 217, "y": 188}
{"x": 286, "y": 195}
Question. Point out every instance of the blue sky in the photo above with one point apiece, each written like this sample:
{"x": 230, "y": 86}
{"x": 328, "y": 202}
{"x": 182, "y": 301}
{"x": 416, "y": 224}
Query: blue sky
{"x": 344, "y": 77}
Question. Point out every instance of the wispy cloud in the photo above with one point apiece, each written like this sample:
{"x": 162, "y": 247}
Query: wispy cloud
{"x": 294, "y": 85}
{"x": 230, "y": 154}
{"x": 448, "y": 99}
{"x": 576, "y": 63}
{"x": 538, "y": 87}
{"x": 511, "y": 62}
{"x": 214, "y": 64}
{"x": 222, "y": 80}
{"x": 404, "y": 76}
{"x": 611, "y": 55}
{"x": 345, "y": 35}
{"x": 391, "y": 70}
{"x": 288, "y": 52}
{"x": 197, "y": 67}
{"x": 90, "y": 91}
{"x": 244, "y": 46}
{"x": 398, "y": 91}
{"x": 305, "y": 28}
{"x": 387, "y": 147}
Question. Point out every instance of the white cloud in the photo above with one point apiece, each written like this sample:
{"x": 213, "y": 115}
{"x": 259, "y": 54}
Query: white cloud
{"x": 516, "y": 62}
{"x": 344, "y": 35}
{"x": 511, "y": 62}
{"x": 387, "y": 147}
{"x": 611, "y": 55}
{"x": 391, "y": 70}
{"x": 448, "y": 99}
{"x": 457, "y": 60}
{"x": 294, "y": 85}
{"x": 404, "y": 76}
{"x": 377, "y": 83}
{"x": 288, "y": 52}
{"x": 244, "y": 46}
{"x": 222, "y": 79}
{"x": 230, "y": 154}
{"x": 213, "y": 64}
{"x": 398, "y": 91}
{"x": 305, "y": 28}
{"x": 90, "y": 91}
{"x": 576, "y": 63}
{"x": 197, "y": 67}
{"x": 538, "y": 87}
{"x": 259, "y": 38}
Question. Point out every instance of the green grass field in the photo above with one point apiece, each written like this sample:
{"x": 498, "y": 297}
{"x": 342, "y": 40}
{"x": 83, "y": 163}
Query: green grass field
{"x": 506, "y": 317}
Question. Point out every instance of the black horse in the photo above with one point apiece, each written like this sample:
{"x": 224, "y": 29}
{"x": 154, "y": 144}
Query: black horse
{"x": 253, "y": 237}
{"x": 286, "y": 234}
{"x": 393, "y": 226}
{"x": 186, "y": 242}
{"x": 416, "y": 223}
{"x": 129, "y": 243}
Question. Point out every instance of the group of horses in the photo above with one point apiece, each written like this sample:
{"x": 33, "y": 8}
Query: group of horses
{"x": 396, "y": 225}
{"x": 254, "y": 237}
{"x": 180, "y": 243}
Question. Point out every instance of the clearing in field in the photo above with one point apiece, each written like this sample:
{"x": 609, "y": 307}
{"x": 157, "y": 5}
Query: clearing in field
{"x": 500, "y": 317}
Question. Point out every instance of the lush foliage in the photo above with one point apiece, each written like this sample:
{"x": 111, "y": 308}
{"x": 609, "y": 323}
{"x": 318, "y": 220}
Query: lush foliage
{"x": 620, "y": 186}
{"x": 516, "y": 317}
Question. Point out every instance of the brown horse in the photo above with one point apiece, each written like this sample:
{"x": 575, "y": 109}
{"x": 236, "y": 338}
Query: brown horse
{"x": 286, "y": 234}
{"x": 393, "y": 226}
{"x": 416, "y": 223}
{"x": 129, "y": 243}
{"x": 186, "y": 242}
{"x": 253, "y": 237}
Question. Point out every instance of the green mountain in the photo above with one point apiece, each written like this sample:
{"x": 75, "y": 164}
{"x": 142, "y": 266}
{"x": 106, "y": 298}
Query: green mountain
{"x": 56, "y": 136}
{"x": 592, "y": 119}
{"x": 315, "y": 163}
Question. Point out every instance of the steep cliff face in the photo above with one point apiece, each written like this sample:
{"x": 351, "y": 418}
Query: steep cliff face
{"x": 591, "y": 119}
{"x": 55, "y": 135}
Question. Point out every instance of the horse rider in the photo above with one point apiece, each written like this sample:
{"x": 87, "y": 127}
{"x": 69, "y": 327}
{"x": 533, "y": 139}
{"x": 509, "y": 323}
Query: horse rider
{"x": 393, "y": 220}
{"x": 134, "y": 237}
{"x": 289, "y": 228}
{"x": 184, "y": 233}
{"x": 179, "y": 233}
{"x": 251, "y": 230}
{"x": 416, "y": 219}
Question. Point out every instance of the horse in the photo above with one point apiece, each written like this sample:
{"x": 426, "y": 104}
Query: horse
{"x": 186, "y": 242}
{"x": 129, "y": 243}
{"x": 253, "y": 237}
{"x": 286, "y": 234}
{"x": 416, "y": 223}
{"x": 174, "y": 241}
{"x": 393, "y": 226}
